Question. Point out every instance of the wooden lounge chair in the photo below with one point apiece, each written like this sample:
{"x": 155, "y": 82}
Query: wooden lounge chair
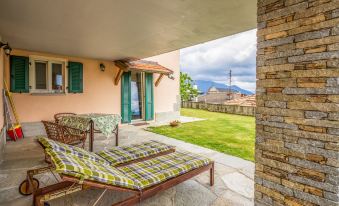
{"x": 115, "y": 156}
{"x": 143, "y": 179}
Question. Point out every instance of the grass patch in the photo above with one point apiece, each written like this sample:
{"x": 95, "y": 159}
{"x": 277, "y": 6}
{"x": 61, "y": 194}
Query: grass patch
{"x": 226, "y": 133}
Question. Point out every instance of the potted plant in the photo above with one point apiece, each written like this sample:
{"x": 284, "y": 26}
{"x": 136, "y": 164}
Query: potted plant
{"x": 174, "y": 123}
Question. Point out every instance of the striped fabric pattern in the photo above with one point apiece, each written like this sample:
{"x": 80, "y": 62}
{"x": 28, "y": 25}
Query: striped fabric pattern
{"x": 69, "y": 149}
{"x": 123, "y": 154}
{"x": 86, "y": 169}
{"x": 162, "y": 168}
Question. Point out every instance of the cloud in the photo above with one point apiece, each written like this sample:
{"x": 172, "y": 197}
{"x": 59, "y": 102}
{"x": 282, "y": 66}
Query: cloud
{"x": 213, "y": 60}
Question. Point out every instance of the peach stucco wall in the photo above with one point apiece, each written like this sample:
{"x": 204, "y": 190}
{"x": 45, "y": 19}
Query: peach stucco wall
{"x": 100, "y": 94}
{"x": 167, "y": 92}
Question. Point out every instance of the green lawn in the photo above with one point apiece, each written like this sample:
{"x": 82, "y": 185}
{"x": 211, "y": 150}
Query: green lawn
{"x": 230, "y": 134}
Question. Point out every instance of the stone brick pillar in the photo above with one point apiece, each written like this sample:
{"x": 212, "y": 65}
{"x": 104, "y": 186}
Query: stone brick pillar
{"x": 297, "y": 135}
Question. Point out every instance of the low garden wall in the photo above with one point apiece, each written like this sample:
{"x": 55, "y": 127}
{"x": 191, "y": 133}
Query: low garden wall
{"x": 232, "y": 109}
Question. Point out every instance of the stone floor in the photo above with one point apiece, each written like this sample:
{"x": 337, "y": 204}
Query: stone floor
{"x": 233, "y": 176}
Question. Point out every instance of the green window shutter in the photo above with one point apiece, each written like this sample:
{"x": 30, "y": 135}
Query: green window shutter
{"x": 19, "y": 74}
{"x": 75, "y": 77}
{"x": 149, "y": 105}
{"x": 126, "y": 107}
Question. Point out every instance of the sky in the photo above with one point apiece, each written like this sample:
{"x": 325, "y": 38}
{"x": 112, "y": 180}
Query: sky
{"x": 213, "y": 60}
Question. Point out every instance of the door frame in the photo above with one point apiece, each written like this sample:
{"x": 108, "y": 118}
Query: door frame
{"x": 145, "y": 97}
{"x": 142, "y": 87}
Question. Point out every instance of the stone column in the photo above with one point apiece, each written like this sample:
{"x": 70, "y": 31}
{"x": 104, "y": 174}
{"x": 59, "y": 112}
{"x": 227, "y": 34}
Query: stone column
{"x": 297, "y": 135}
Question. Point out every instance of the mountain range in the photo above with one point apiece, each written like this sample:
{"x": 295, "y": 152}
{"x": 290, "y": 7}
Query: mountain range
{"x": 204, "y": 85}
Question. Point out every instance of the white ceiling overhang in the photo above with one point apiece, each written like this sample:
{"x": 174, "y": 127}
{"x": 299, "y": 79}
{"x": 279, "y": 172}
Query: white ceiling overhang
{"x": 116, "y": 29}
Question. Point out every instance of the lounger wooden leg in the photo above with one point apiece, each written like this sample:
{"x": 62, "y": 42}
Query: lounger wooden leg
{"x": 37, "y": 201}
{"x": 117, "y": 136}
{"x": 28, "y": 182}
{"x": 91, "y": 136}
{"x": 212, "y": 175}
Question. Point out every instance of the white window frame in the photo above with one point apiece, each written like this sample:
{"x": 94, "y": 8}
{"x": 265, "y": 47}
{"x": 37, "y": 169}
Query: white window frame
{"x": 49, "y": 61}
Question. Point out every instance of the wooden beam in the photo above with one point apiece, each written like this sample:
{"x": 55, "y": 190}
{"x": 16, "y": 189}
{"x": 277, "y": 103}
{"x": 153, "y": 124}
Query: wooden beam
{"x": 159, "y": 79}
{"x": 118, "y": 77}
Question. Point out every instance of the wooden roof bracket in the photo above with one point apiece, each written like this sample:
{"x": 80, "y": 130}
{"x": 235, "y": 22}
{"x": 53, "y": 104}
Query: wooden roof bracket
{"x": 158, "y": 80}
{"x": 118, "y": 76}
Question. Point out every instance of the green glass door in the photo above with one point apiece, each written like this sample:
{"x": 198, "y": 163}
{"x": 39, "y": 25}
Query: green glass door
{"x": 149, "y": 99}
{"x": 126, "y": 97}
{"x": 137, "y": 96}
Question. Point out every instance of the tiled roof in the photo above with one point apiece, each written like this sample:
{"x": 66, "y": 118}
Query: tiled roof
{"x": 243, "y": 101}
{"x": 142, "y": 65}
{"x": 226, "y": 90}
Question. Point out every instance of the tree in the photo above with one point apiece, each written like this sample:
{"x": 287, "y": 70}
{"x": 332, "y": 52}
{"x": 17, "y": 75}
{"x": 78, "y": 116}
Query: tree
{"x": 187, "y": 91}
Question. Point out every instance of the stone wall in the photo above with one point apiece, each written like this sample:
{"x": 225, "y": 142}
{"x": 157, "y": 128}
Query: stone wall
{"x": 232, "y": 109}
{"x": 297, "y": 136}
{"x": 218, "y": 97}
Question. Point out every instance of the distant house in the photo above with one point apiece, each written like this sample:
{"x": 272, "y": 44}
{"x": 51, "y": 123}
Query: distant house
{"x": 219, "y": 95}
{"x": 243, "y": 101}
{"x": 214, "y": 89}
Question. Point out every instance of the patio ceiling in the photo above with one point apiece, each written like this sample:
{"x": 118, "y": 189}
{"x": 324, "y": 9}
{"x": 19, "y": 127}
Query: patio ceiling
{"x": 116, "y": 29}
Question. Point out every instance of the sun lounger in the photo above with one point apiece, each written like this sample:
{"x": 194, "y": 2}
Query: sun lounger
{"x": 115, "y": 156}
{"x": 144, "y": 179}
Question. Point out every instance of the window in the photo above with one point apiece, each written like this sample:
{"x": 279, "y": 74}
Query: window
{"x": 41, "y": 75}
{"x": 57, "y": 76}
{"x": 47, "y": 75}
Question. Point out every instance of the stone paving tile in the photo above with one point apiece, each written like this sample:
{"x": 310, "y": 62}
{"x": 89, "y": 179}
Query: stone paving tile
{"x": 239, "y": 183}
{"x": 233, "y": 198}
{"x": 220, "y": 202}
{"x": 21, "y": 201}
{"x": 248, "y": 171}
{"x": 88, "y": 197}
{"x": 231, "y": 161}
{"x": 165, "y": 198}
{"x": 193, "y": 193}
{"x": 221, "y": 169}
{"x": 218, "y": 188}
{"x": 233, "y": 176}
{"x": 9, "y": 193}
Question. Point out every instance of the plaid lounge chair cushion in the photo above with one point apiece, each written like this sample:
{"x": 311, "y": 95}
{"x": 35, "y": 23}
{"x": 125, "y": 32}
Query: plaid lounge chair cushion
{"x": 123, "y": 154}
{"x": 162, "y": 168}
{"x": 85, "y": 169}
{"x": 69, "y": 149}
{"x": 135, "y": 176}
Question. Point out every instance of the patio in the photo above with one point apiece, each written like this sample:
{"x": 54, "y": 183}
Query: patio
{"x": 297, "y": 88}
{"x": 233, "y": 177}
